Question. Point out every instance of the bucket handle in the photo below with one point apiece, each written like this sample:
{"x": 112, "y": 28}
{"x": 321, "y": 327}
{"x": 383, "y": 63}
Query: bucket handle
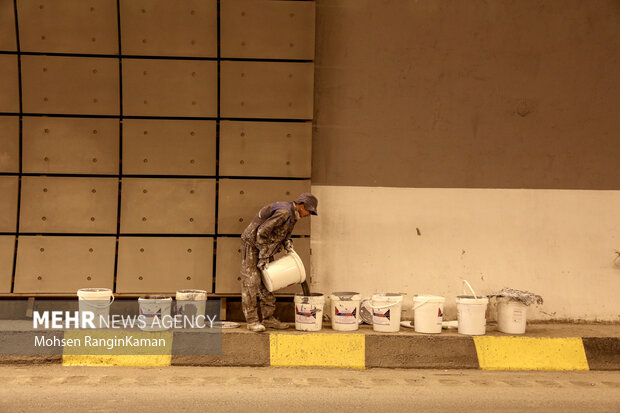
{"x": 379, "y": 307}
{"x": 471, "y": 289}
{"x": 103, "y": 305}
{"x": 421, "y": 304}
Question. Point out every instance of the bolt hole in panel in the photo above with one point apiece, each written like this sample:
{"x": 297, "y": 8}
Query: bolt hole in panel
{"x": 169, "y": 206}
{"x": 8, "y": 203}
{"x": 243, "y": 198}
{"x": 278, "y": 149}
{"x": 169, "y": 27}
{"x": 9, "y": 86}
{"x": 7, "y": 249}
{"x": 186, "y": 88}
{"x": 7, "y": 26}
{"x": 171, "y": 147}
{"x": 9, "y": 144}
{"x": 70, "y": 145}
{"x": 289, "y": 34}
{"x": 228, "y": 264}
{"x": 68, "y": 205}
{"x": 59, "y": 264}
{"x": 163, "y": 265}
{"x": 71, "y": 85}
{"x": 68, "y": 26}
{"x": 277, "y": 90}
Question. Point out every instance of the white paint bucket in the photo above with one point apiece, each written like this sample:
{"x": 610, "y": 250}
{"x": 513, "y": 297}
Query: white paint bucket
{"x": 191, "y": 303}
{"x": 345, "y": 310}
{"x": 309, "y": 311}
{"x": 284, "y": 272}
{"x": 153, "y": 309}
{"x": 511, "y": 316}
{"x": 96, "y": 301}
{"x": 472, "y": 314}
{"x": 386, "y": 309}
{"x": 428, "y": 313}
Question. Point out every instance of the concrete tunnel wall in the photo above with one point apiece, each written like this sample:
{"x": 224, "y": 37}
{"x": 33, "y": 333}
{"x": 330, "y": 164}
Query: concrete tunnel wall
{"x": 474, "y": 140}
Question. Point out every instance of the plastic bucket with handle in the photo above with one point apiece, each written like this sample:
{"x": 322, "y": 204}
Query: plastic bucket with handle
{"x": 472, "y": 313}
{"x": 428, "y": 313}
{"x": 153, "y": 309}
{"x": 511, "y": 316}
{"x": 309, "y": 311}
{"x": 284, "y": 272}
{"x": 386, "y": 309}
{"x": 345, "y": 310}
{"x": 96, "y": 301}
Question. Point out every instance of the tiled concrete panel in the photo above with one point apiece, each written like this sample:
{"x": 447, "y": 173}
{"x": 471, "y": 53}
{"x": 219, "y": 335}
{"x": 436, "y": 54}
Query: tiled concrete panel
{"x": 169, "y": 27}
{"x": 228, "y": 263}
{"x": 68, "y": 26}
{"x": 73, "y": 85}
{"x": 241, "y": 199}
{"x": 168, "y": 147}
{"x": 267, "y": 90}
{"x": 7, "y": 250}
{"x": 70, "y": 145}
{"x": 7, "y": 26}
{"x": 9, "y": 84}
{"x": 278, "y": 149}
{"x": 169, "y": 88}
{"x": 68, "y": 205}
{"x": 8, "y": 203}
{"x": 289, "y": 33}
{"x": 168, "y": 206}
{"x": 48, "y": 264}
{"x": 164, "y": 265}
{"x": 9, "y": 144}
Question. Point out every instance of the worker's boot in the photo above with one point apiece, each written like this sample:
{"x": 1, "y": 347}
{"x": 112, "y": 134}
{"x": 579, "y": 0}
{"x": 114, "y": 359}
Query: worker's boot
{"x": 256, "y": 327}
{"x": 274, "y": 323}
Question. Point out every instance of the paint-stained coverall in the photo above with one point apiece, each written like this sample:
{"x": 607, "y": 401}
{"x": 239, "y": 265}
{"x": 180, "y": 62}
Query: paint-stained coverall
{"x": 262, "y": 239}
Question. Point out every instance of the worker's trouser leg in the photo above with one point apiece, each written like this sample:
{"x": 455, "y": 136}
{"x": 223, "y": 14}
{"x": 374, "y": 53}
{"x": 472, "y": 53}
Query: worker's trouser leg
{"x": 252, "y": 287}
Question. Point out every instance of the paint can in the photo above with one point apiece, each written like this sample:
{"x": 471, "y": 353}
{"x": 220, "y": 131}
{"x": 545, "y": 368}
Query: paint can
{"x": 345, "y": 310}
{"x": 96, "y": 301}
{"x": 153, "y": 309}
{"x": 309, "y": 311}
{"x": 191, "y": 303}
{"x": 284, "y": 272}
{"x": 428, "y": 313}
{"x": 472, "y": 313}
{"x": 386, "y": 309}
{"x": 511, "y": 316}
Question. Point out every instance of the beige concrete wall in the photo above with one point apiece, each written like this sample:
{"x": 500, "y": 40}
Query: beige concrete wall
{"x": 557, "y": 243}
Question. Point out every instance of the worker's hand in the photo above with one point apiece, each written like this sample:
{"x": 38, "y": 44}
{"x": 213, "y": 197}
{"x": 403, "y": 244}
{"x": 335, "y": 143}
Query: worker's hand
{"x": 263, "y": 263}
{"x": 288, "y": 245}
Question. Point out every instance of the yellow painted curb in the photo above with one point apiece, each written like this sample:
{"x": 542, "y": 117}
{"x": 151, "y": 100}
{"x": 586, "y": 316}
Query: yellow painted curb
{"x": 529, "y": 353}
{"x": 318, "y": 350}
{"x": 117, "y": 348}
{"x": 117, "y": 360}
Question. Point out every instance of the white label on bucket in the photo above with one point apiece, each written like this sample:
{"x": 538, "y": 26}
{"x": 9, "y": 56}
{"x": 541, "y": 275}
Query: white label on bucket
{"x": 381, "y": 317}
{"x": 345, "y": 315}
{"x": 305, "y": 313}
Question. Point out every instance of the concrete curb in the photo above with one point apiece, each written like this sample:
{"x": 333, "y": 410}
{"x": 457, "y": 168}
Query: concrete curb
{"x": 362, "y": 349}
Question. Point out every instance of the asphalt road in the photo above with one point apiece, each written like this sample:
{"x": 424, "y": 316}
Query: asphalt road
{"x": 213, "y": 389}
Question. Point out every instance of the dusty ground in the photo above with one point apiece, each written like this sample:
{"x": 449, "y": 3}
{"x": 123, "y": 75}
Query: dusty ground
{"x": 120, "y": 389}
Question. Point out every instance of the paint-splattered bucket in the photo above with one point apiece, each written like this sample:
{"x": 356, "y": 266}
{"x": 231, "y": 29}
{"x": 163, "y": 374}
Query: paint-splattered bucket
{"x": 96, "y": 301}
{"x": 472, "y": 313}
{"x": 428, "y": 313}
{"x": 155, "y": 312}
{"x": 191, "y": 303}
{"x": 309, "y": 311}
{"x": 386, "y": 309}
{"x": 511, "y": 316}
{"x": 345, "y": 310}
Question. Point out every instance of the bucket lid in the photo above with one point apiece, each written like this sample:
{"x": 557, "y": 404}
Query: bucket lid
{"x": 191, "y": 295}
{"x": 428, "y": 298}
{"x": 470, "y": 299}
{"x": 94, "y": 290}
{"x": 345, "y": 296}
{"x": 155, "y": 298}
